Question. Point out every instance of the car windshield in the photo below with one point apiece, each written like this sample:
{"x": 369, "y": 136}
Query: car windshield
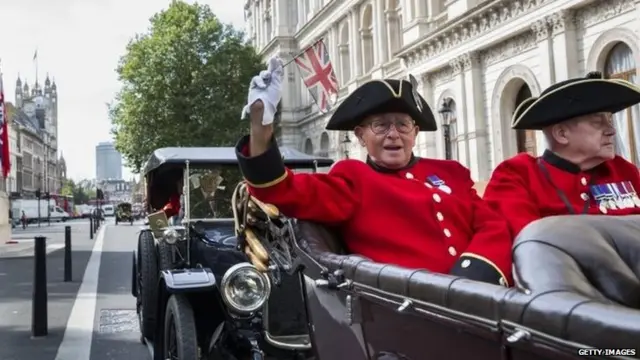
{"x": 210, "y": 191}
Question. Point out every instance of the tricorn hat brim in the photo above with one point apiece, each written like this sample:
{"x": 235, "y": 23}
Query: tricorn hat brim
{"x": 574, "y": 99}
{"x": 382, "y": 96}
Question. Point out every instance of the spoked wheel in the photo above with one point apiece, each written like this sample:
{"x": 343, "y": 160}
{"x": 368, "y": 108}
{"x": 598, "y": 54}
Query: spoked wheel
{"x": 180, "y": 338}
{"x": 148, "y": 274}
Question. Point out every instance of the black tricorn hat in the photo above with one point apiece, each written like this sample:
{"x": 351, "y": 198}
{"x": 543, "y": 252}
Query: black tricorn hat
{"x": 575, "y": 97}
{"x": 382, "y": 96}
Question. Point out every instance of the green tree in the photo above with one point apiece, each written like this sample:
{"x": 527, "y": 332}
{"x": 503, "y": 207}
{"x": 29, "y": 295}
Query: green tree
{"x": 68, "y": 188}
{"x": 185, "y": 82}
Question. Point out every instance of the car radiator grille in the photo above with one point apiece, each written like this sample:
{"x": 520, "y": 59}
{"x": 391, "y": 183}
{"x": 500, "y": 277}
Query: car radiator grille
{"x": 286, "y": 311}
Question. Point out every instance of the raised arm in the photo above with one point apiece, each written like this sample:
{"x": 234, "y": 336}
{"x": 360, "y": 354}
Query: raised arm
{"x": 488, "y": 256}
{"x": 507, "y": 193}
{"x": 329, "y": 198}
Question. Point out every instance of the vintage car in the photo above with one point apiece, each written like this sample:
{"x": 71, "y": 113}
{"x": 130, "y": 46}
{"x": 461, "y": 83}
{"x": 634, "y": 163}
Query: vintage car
{"x": 198, "y": 296}
{"x": 124, "y": 213}
{"x": 577, "y": 293}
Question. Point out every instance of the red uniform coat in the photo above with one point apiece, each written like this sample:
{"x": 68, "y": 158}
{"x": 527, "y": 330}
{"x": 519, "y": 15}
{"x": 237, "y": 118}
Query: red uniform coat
{"x": 172, "y": 208}
{"x": 395, "y": 217}
{"x": 520, "y": 191}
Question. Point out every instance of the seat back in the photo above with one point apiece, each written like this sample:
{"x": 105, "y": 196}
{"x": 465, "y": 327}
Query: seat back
{"x": 595, "y": 256}
{"x": 364, "y": 321}
{"x": 396, "y": 313}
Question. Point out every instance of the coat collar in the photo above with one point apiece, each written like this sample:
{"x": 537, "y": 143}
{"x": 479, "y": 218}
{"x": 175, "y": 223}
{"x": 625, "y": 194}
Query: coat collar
{"x": 554, "y": 160}
{"x": 385, "y": 170}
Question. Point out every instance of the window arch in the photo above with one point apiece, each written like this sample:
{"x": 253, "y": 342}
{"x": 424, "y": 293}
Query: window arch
{"x": 308, "y": 147}
{"x": 366, "y": 35}
{"x": 525, "y": 139}
{"x": 451, "y": 131}
{"x": 621, "y": 64}
{"x": 324, "y": 144}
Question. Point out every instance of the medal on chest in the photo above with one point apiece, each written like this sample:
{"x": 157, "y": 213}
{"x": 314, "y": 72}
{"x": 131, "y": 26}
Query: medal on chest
{"x": 439, "y": 183}
{"x": 599, "y": 196}
{"x": 623, "y": 195}
{"x": 633, "y": 196}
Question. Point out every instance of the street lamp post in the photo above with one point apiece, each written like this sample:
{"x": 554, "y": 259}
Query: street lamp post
{"x": 346, "y": 143}
{"x": 445, "y": 113}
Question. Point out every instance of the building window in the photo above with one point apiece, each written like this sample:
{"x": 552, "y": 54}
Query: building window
{"x": 308, "y": 147}
{"x": 450, "y": 130}
{"x": 525, "y": 139}
{"x": 621, "y": 64}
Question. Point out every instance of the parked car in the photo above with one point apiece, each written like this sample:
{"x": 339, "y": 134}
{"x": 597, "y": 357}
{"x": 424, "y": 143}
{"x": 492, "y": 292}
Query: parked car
{"x": 197, "y": 294}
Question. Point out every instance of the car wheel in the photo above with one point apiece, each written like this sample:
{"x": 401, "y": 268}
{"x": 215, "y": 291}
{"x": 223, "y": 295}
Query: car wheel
{"x": 180, "y": 337}
{"x": 148, "y": 285}
{"x": 134, "y": 277}
{"x": 165, "y": 258}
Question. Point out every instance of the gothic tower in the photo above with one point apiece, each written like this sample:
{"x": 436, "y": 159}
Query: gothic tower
{"x": 19, "y": 93}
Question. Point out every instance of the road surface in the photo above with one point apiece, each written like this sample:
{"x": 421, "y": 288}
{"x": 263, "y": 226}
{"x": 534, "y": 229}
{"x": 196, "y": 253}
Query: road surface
{"x": 90, "y": 318}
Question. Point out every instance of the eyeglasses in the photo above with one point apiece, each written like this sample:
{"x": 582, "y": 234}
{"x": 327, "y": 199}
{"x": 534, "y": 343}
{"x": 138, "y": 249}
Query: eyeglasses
{"x": 383, "y": 126}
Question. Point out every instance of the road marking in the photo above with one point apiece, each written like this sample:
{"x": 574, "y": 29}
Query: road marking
{"x": 54, "y": 247}
{"x": 78, "y": 334}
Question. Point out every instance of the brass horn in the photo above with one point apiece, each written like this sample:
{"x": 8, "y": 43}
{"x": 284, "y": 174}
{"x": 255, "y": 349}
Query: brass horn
{"x": 247, "y": 215}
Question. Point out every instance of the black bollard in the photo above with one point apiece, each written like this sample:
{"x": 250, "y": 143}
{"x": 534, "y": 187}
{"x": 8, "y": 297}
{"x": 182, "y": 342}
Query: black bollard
{"x": 39, "y": 321}
{"x": 91, "y": 227}
{"x": 67, "y": 253}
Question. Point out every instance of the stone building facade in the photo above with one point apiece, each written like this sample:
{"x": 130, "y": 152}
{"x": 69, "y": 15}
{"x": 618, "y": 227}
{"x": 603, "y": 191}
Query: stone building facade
{"x": 480, "y": 57}
{"x": 33, "y": 139}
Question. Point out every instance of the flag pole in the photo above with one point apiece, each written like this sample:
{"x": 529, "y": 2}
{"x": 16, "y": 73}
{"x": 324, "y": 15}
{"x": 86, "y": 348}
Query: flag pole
{"x": 35, "y": 59}
{"x": 302, "y": 52}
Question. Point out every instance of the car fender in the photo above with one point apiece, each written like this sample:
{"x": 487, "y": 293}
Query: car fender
{"x": 188, "y": 280}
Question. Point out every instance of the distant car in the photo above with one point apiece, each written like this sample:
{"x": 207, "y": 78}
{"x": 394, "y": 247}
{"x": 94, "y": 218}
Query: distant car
{"x": 109, "y": 210}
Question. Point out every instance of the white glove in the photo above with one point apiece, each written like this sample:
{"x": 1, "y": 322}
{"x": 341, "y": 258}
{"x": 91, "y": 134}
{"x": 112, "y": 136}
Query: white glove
{"x": 266, "y": 87}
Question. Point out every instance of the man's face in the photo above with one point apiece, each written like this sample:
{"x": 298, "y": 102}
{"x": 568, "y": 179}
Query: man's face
{"x": 388, "y": 138}
{"x": 591, "y": 136}
{"x": 208, "y": 182}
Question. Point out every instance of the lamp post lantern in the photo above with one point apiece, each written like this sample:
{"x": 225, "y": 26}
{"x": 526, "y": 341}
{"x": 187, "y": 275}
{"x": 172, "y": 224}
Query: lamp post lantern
{"x": 346, "y": 143}
{"x": 445, "y": 112}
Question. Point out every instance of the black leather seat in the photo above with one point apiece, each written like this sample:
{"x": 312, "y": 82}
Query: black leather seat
{"x": 577, "y": 271}
{"x": 573, "y": 275}
{"x": 594, "y": 256}
{"x": 438, "y": 289}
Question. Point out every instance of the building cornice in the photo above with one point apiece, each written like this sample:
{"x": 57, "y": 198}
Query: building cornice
{"x": 276, "y": 42}
{"x": 480, "y": 27}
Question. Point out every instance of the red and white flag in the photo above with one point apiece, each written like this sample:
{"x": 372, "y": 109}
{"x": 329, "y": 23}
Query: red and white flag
{"x": 318, "y": 75}
{"x": 5, "y": 157}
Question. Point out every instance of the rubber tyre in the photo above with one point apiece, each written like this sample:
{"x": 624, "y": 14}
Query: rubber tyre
{"x": 179, "y": 314}
{"x": 148, "y": 285}
{"x": 134, "y": 277}
{"x": 165, "y": 261}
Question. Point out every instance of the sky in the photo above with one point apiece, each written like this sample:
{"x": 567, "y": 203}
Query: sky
{"x": 79, "y": 43}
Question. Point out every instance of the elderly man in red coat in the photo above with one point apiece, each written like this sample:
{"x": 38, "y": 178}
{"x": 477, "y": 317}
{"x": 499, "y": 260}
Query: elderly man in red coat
{"x": 580, "y": 172}
{"x": 394, "y": 208}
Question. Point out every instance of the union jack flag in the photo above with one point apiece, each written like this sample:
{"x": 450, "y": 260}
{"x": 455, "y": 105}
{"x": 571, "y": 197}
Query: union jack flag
{"x": 318, "y": 75}
{"x": 5, "y": 160}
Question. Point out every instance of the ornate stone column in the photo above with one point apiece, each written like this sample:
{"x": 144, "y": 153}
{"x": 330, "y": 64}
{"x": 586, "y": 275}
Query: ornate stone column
{"x": 475, "y": 124}
{"x": 545, "y": 52}
{"x": 345, "y": 64}
{"x": 380, "y": 26}
{"x": 459, "y": 90}
{"x": 354, "y": 33}
{"x": 565, "y": 45}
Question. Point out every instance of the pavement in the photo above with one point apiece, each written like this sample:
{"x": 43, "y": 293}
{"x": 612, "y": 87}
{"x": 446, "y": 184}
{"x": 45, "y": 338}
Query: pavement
{"x": 90, "y": 318}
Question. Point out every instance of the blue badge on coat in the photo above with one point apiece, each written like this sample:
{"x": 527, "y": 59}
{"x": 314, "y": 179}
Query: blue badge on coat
{"x": 439, "y": 183}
